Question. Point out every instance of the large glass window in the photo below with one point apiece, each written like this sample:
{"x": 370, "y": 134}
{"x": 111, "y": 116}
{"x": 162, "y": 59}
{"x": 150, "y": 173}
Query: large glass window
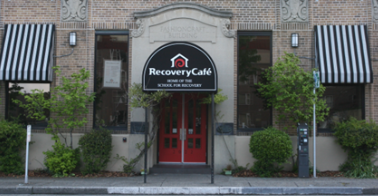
{"x": 14, "y": 112}
{"x": 344, "y": 101}
{"x": 254, "y": 56}
{"x": 111, "y": 80}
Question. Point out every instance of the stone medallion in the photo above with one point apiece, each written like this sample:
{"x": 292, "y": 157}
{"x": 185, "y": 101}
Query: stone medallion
{"x": 74, "y": 10}
{"x": 294, "y": 10}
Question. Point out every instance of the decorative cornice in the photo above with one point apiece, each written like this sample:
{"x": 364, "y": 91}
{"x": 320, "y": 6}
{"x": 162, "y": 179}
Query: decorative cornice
{"x": 225, "y": 24}
{"x": 183, "y": 5}
{"x": 294, "y": 10}
{"x": 74, "y": 10}
{"x": 138, "y": 32}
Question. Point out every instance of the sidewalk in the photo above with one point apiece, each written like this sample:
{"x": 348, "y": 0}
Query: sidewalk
{"x": 190, "y": 184}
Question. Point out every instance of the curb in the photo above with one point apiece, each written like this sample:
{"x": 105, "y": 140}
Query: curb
{"x": 191, "y": 190}
{"x": 16, "y": 190}
{"x": 69, "y": 190}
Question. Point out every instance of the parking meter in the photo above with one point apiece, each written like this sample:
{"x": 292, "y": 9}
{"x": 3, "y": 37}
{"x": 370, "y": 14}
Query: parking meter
{"x": 303, "y": 161}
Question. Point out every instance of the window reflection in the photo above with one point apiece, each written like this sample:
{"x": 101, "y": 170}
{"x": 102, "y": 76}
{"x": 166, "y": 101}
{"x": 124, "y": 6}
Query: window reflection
{"x": 174, "y": 142}
{"x": 166, "y": 142}
{"x": 111, "y": 81}
{"x": 18, "y": 113}
{"x": 344, "y": 102}
{"x": 254, "y": 56}
{"x": 190, "y": 143}
{"x": 198, "y": 116}
{"x": 167, "y": 117}
{"x": 198, "y": 143}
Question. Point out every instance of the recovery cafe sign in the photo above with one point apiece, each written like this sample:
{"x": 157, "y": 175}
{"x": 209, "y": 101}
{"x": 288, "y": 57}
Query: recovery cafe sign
{"x": 180, "y": 67}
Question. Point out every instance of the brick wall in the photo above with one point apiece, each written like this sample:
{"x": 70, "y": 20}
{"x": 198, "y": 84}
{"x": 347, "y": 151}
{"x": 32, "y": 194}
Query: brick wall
{"x": 256, "y": 15}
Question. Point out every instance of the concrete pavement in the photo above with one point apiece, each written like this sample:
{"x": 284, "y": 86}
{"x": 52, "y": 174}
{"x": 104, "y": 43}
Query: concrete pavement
{"x": 195, "y": 184}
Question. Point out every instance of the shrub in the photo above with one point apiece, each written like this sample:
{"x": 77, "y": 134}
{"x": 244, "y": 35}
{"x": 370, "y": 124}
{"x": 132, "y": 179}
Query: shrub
{"x": 360, "y": 139}
{"x": 128, "y": 167}
{"x": 62, "y": 160}
{"x": 12, "y": 140}
{"x": 268, "y": 147}
{"x": 96, "y": 148}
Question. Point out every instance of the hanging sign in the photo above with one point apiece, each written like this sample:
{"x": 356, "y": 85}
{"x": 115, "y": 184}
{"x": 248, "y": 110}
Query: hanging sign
{"x": 112, "y": 74}
{"x": 180, "y": 67}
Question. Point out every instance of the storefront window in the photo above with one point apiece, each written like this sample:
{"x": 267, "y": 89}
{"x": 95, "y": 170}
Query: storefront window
{"x": 19, "y": 114}
{"x": 111, "y": 80}
{"x": 344, "y": 101}
{"x": 254, "y": 55}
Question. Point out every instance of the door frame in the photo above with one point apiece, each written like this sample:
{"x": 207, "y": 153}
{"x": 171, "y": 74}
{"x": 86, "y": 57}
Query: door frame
{"x": 206, "y": 136}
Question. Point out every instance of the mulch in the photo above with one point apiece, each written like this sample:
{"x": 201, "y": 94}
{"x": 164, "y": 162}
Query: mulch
{"x": 44, "y": 174}
{"x": 286, "y": 174}
{"x": 246, "y": 173}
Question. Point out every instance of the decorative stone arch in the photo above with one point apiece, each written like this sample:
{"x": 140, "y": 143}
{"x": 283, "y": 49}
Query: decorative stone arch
{"x": 206, "y": 17}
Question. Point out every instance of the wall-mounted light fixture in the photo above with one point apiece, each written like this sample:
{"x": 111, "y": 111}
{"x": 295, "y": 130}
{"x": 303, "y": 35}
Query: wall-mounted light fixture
{"x": 72, "y": 42}
{"x": 294, "y": 40}
{"x": 72, "y": 38}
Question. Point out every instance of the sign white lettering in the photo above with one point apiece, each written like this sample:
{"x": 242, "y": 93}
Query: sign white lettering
{"x": 187, "y": 73}
{"x": 112, "y": 74}
{"x": 183, "y": 29}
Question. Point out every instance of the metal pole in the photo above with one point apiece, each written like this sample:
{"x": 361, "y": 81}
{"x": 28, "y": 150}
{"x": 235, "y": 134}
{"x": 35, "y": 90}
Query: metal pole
{"x": 28, "y": 135}
{"x": 314, "y": 135}
{"x": 145, "y": 146}
{"x": 212, "y": 138}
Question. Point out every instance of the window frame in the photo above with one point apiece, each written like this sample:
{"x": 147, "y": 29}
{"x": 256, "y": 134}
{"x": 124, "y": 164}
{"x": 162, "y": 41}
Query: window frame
{"x": 109, "y": 32}
{"x": 251, "y": 33}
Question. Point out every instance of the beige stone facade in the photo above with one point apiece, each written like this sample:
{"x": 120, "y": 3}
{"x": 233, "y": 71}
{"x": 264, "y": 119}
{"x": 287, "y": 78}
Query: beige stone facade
{"x": 248, "y": 16}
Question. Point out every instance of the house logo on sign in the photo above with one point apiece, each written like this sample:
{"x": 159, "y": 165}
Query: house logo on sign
{"x": 179, "y": 61}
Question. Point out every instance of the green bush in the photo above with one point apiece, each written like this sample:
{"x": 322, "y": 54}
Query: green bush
{"x": 12, "y": 140}
{"x": 268, "y": 147}
{"x": 62, "y": 160}
{"x": 96, "y": 148}
{"x": 360, "y": 139}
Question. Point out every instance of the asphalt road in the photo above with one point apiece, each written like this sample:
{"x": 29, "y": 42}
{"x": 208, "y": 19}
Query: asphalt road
{"x": 171, "y": 195}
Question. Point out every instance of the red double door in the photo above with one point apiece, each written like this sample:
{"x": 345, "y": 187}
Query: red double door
{"x": 182, "y": 134}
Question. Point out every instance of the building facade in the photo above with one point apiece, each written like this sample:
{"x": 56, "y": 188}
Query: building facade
{"x": 118, "y": 41}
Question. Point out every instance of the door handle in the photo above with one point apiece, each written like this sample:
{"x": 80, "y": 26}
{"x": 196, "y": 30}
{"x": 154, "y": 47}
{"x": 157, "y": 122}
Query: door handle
{"x": 182, "y": 134}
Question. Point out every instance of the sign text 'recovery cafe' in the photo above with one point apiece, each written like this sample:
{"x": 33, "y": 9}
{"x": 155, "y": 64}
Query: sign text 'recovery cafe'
{"x": 180, "y": 67}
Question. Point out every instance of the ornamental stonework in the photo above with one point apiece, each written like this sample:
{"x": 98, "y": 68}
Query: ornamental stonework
{"x": 294, "y": 10}
{"x": 74, "y": 10}
{"x": 138, "y": 32}
{"x": 375, "y": 10}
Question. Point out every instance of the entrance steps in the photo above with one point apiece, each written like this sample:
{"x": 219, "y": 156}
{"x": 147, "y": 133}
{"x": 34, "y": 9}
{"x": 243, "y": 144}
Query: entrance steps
{"x": 180, "y": 169}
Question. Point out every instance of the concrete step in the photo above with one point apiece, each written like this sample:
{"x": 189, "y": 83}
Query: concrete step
{"x": 180, "y": 169}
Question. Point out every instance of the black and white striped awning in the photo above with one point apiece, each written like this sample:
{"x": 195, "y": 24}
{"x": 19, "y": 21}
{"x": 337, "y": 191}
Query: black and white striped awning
{"x": 27, "y": 53}
{"x": 343, "y": 55}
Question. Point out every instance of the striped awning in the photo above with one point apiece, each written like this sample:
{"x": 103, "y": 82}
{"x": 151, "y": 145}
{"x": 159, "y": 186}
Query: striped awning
{"x": 342, "y": 53}
{"x": 27, "y": 53}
